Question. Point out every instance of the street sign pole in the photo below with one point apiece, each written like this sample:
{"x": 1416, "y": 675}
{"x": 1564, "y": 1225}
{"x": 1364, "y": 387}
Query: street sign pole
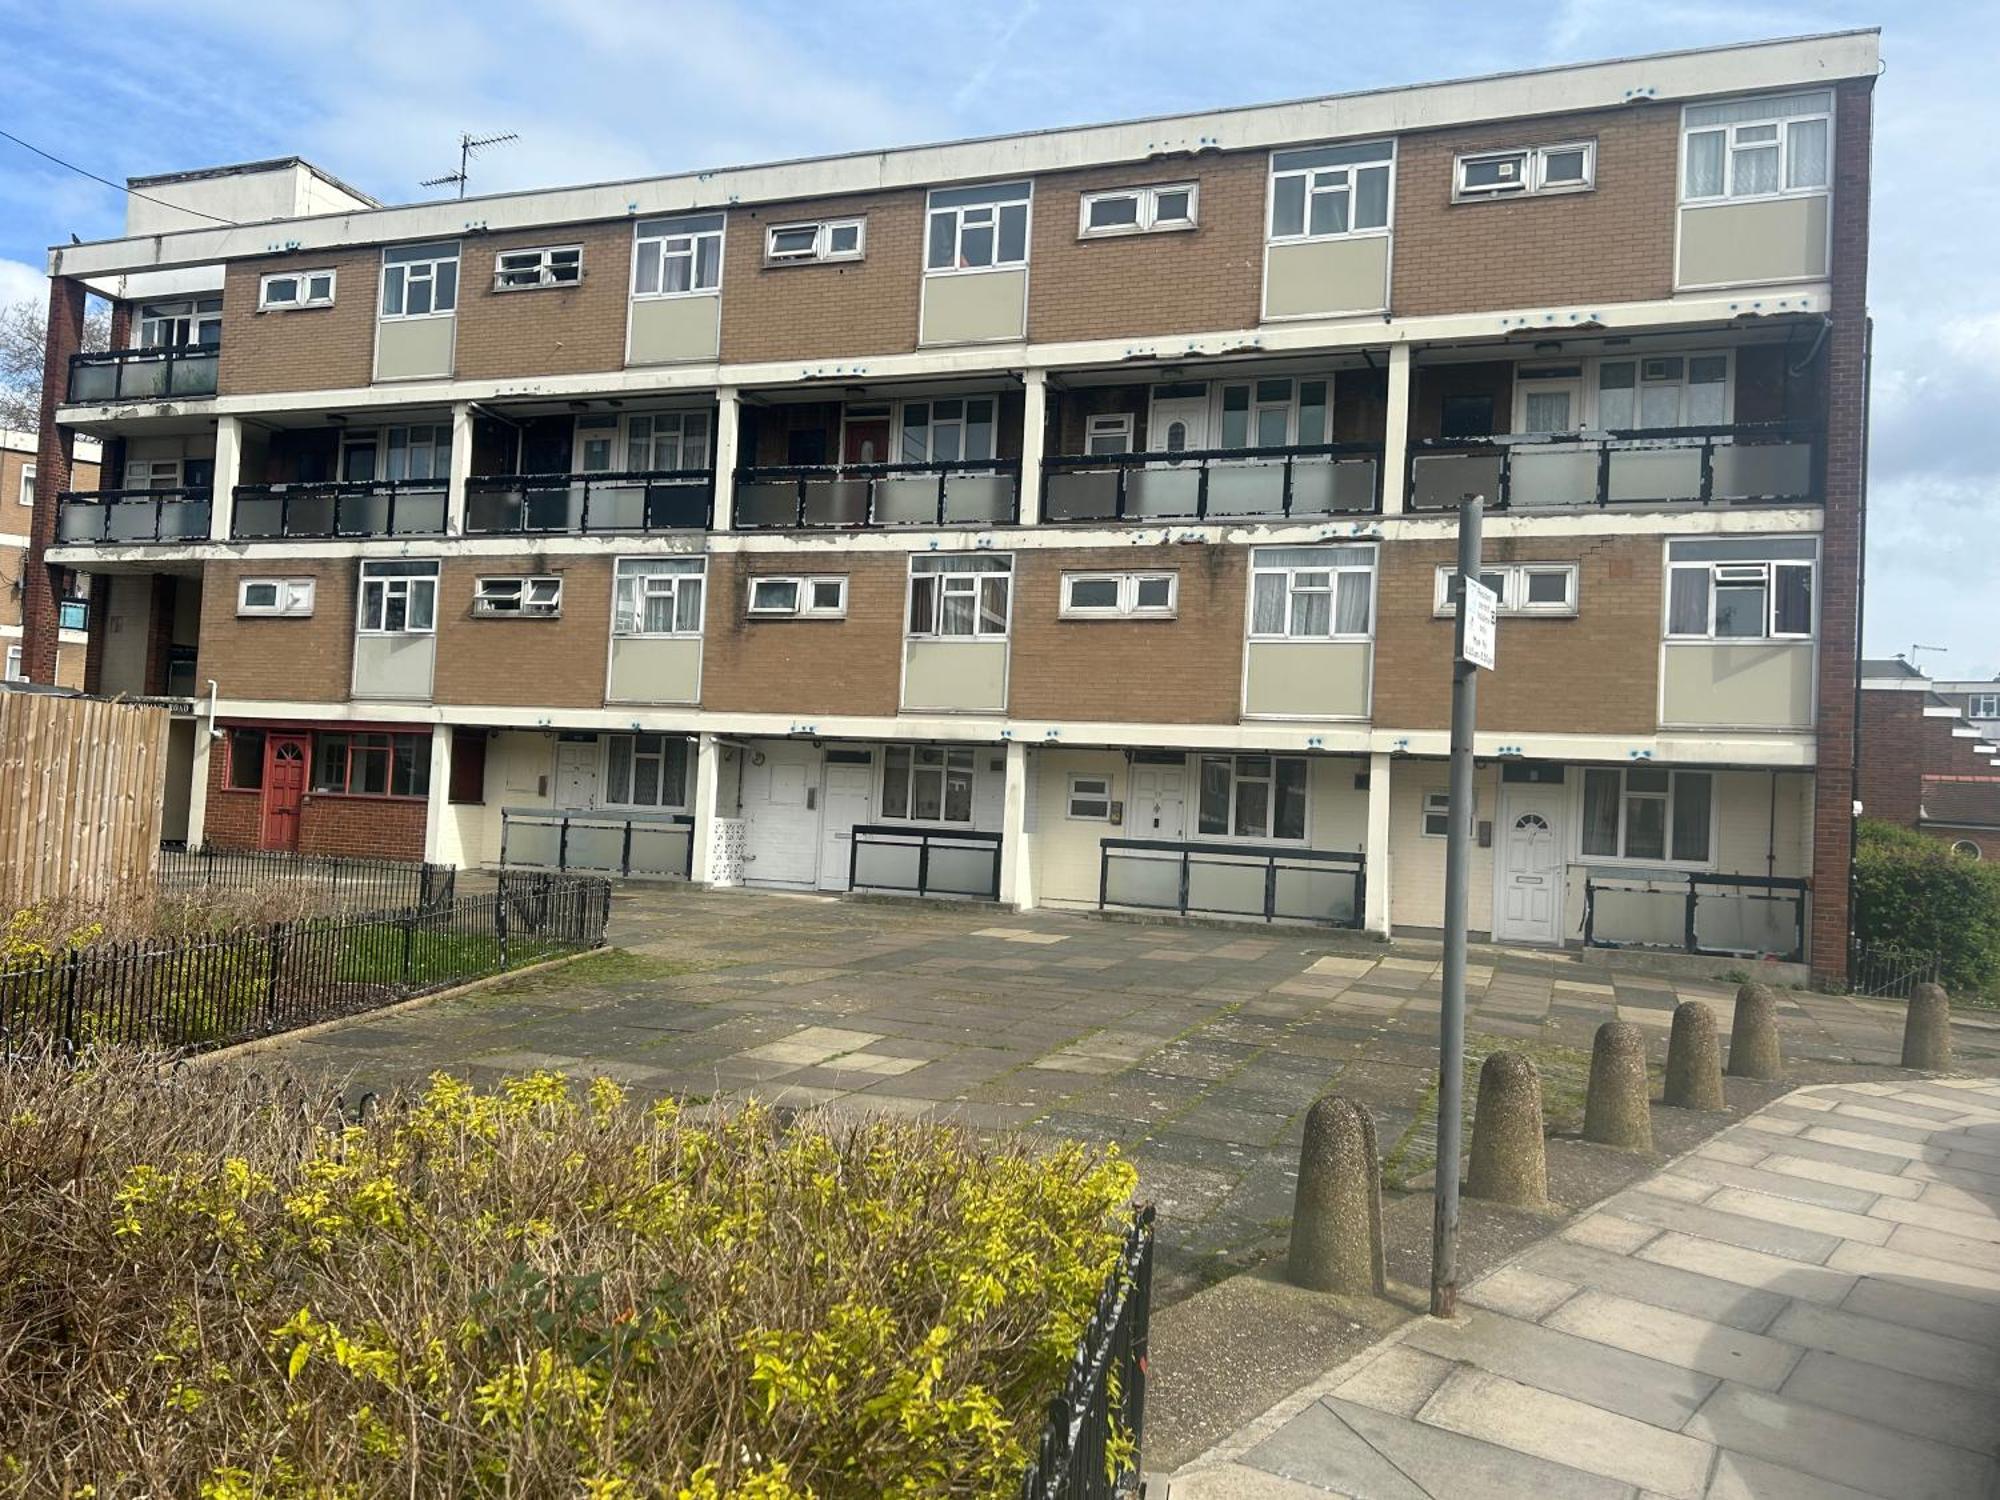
{"x": 1473, "y": 598}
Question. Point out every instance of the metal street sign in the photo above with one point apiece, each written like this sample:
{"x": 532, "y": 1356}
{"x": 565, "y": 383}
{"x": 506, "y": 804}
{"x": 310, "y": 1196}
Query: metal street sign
{"x": 1479, "y": 620}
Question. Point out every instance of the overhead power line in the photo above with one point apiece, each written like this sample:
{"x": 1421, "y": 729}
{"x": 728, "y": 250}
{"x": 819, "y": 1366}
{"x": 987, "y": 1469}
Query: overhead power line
{"x": 107, "y": 182}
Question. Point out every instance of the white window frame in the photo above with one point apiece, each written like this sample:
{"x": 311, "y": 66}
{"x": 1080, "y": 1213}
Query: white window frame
{"x": 637, "y": 753}
{"x": 1982, "y": 705}
{"x": 977, "y": 212}
{"x": 803, "y": 605}
{"x": 416, "y": 268}
{"x": 635, "y": 580}
{"x": 201, "y": 315}
{"x": 1146, "y": 219}
{"x": 16, "y": 672}
{"x": 1510, "y": 581}
{"x": 27, "y": 491}
{"x": 1732, "y": 143}
{"x": 661, "y": 427}
{"x": 303, "y": 283}
{"x": 1340, "y": 177}
{"x": 518, "y": 596}
{"x": 821, "y": 249}
{"x": 1120, "y": 425}
{"x": 380, "y": 586}
{"x": 1534, "y": 172}
{"x": 1739, "y": 570}
{"x": 678, "y": 237}
{"x": 951, "y": 760}
{"x": 1338, "y": 571}
{"x": 542, "y": 262}
{"x": 1081, "y": 791}
{"x": 1128, "y": 605}
{"x": 292, "y": 598}
{"x": 1255, "y": 405}
{"x": 933, "y": 424}
{"x": 949, "y": 584}
{"x": 1669, "y": 797}
{"x": 1237, "y": 779}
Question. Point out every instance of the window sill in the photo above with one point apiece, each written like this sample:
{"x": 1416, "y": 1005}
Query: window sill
{"x": 1459, "y": 199}
{"x": 1723, "y": 201}
{"x": 713, "y": 291}
{"x": 406, "y": 798}
{"x": 812, "y": 260}
{"x": 656, "y": 635}
{"x": 1087, "y": 618}
{"x": 1312, "y": 640}
{"x": 1018, "y": 265}
{"x": 429, "y": 317}
{"x": 957, "y": 640}
{"x": 1135, "y": 232}
{"x": 1325, "y": 239}
{"x": 297, "y": 307}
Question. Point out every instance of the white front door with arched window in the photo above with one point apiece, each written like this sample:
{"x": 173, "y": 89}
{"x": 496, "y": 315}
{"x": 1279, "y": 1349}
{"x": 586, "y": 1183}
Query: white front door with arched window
{"x": 1528, "y": 868}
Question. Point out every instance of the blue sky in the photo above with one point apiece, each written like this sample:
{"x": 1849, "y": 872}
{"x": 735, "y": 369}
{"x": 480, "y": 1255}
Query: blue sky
{"x": 377, "y": 92}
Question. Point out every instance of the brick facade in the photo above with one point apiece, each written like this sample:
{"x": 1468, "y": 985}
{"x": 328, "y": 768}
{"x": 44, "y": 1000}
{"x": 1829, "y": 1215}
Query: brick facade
{"x": 300, "y": 349}
{"x": 287, "y": 660}
{"x": 556, "y": 330}
{"x": 369, "y": 827}
{"x": 806, "y": 310}
{"x": 1904, "y": 753}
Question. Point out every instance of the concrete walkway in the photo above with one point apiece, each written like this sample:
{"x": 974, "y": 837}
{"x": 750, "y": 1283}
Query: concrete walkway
{"x": 1808, "y": 1304}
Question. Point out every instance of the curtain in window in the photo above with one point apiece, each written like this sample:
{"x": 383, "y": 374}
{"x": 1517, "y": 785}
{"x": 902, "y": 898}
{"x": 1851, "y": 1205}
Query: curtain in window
{"x": 896, "y": 782}
{"x": 1687, "y": 607}
{"x": 1600, "y": 812}
{"x": 1312, "y": 604}
{"x": 1692, "y": 792}
{"x": 1704, "y": 164}
{"x": 618, "y": 769}
{"x": 1645, "y": 826}
{"x": 1755, "y": 168}
{"x": 955, "y": 615}
{"x": 1615, "y": 388}
{"x": 1351, "y": 613}
{"x": 1214, "y": 812}
{"x": 1806, "y": 158}
{"x": 1794, "y": 598}
{"x": 1736, "y": 111}
{"x": 1267, "y": 609}
{"x": 658, "y": 618}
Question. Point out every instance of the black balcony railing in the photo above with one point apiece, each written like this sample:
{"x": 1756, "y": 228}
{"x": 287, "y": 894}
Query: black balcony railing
{"x": 1770, "y": 463}
{"x": 1316, "y": 479}
{"x": 1733, "y": 916}
{"x": 1267, "y": 881}
{"x": 981, "y": 492}
{"x": 381, "y": 507}
{"x": 580, "y": 504}
{"x": 91, "y": 517}
{"x": 645, "y": 844}
{"x": 924, "y": 861}
{"x": 162, "y": 374}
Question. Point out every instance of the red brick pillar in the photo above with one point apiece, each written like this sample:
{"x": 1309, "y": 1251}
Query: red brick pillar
{"x": 39, "y": 616}
{"x": 1840, "y": 544}
{"x": 159, "y": 633}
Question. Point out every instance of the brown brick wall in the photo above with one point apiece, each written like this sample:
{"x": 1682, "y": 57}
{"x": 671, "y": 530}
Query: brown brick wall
{"x": 567, "y": 330}
{"x": 806, "y": 666}
{"x": 310, "y": 660}
{"x": 1986, "y": 840}
{"x": 1900, "y": 746}
{"x": 377, "y": 827}
{"x": 557, "y": 663}
{"x": 829, "y": 311}
{"x": 305, "y": 349}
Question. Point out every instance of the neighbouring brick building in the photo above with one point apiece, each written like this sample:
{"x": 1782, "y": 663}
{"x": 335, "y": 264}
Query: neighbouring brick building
{"x": 17, "y": 502}
{"x": 1060, "y": 519}
{"x": 1930, "y": 755}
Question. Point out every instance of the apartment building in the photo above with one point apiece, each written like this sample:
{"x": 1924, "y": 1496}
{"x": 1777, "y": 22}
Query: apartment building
{"x": 17, "y": 501}
{"x": 1057, "y": 519}
{"x": 1930, "y": 755}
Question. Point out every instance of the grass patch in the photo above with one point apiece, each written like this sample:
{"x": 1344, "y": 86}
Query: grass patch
{"x": 1565, "y": 1073}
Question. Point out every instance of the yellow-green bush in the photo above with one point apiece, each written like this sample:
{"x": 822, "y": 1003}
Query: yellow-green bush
{"x": 544, "y": 1290}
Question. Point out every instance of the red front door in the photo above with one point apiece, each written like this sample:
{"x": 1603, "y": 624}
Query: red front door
{"x": 866, "y": 441}
{"x": 284, "y": 790}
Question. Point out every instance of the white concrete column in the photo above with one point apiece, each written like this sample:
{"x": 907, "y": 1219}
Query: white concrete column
{"x": 707, "y": 784}
{"x": 441, "y": 843}
{"x": 228, "y": 474}
{"x": 1375, "y": 912}
{"x": 204, "y": 741}
{"x": 728, "y": 424}
{"x": 461, "y": 468}
{"x": 1396, "y": 432}
{"x": 1034, "y": 431}
{"x": 1017, "y": 876}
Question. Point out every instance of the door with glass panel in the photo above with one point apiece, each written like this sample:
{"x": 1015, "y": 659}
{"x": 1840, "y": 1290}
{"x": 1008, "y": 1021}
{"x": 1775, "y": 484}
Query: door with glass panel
{"x": 1549, "y": 466}
{"x": 1177, "y": 423}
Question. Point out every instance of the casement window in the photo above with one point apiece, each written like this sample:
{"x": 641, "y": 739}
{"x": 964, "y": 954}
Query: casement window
{"x": 948, "y": 431}
{"x": 1569, "y": 168}
{"x": 399, "y": 598}
{"x": 1647, "y": 813}
{"x": 159, "y": 473}
{"x": 1750, "y": 589}
{"x": 1312, "y": 593}
{"x": 646, "y": 770}
{"x": 1983, "y": 706}
{"x": 1322, "y": 192}
{"x": 174, "y": 325}
{"x": 927, "y": 784}
{"x": 15, "y": 671}
{"x": 518, "y": 270}
{"x": 977, "y": 228}
{"x": 1089, "y": 799}
{"x": 960, "y": 597}
{"x": 1524, "y": 588}
{"x": 27, "y": 493}
{"x": 358, "y": 764}
{"x": 1139, "y": 210}
{"x": 1107, "y": 596}
{"x": 1253, "y": 797}
{"x": 821, "y": 598}
{"x": 274, "y": 596}
{"x": 657, "y": 596}
{"x": 536, "y": 596}
{"x": 1666, "y": 390}
{"x": 1108, "y": 432}
{"x": 662, "y": 442}
{"x": 1757, "y": 148}
{"x": 829, "y": 239}
{"x": 295, "y": 289}
{"x": 1273, "y": 413}
{"x": 246, "y": 760}
{"x": 74, "y": 614}
{"x": 678, "y": 257}
{"x": 419, "y": 281}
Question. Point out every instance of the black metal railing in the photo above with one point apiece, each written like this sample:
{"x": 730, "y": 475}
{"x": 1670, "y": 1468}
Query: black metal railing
{"x": 924, "y": 861}
{"x": 1890, "y": 973}
{"x": 1234, "y": 880}
{"x": 581, "y": 504}
{"x": 974, "y": 492}
{"x": 344, "y": 881}
{"x": 209, "y": 991}
{"x": 613, "y": 843}
{"x": 1724, "y": 916}
{"x": 376, "y": 507}
{"x": 1314, "y": 479}
{"x": 1767, "y": 463}
{"x": 158, "y": 374}
{"x": 92, "y": 517}
{"x": 1103, "y": 1399}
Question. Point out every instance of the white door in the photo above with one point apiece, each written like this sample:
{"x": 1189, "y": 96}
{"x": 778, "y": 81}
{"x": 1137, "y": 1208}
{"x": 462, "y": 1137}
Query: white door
{"x": 1177, "y": 424}
{"x": 781, "y": 815}
{"x": 848, "y": 789}
{"x": 1158, "y": 807}
{"x": 576, "y": 776}
{"x": 1529, "y": 901}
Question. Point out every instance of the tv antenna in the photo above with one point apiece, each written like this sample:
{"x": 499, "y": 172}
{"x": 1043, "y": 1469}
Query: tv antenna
{"x": 469, "y": 146}
{"x": 1912, "y": 658}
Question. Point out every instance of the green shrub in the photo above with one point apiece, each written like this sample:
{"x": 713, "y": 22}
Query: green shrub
{"x": 1915, "y": 898}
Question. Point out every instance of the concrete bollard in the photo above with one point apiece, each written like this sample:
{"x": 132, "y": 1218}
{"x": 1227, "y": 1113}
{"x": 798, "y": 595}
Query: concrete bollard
{"x": 1616, "y": 1112}
{"x": 1694, "y": 1059}
{"x": 1753, "y": 1039}
{"x": 1927, "y": 1030}
{"x": 1337, "y": 1214}
{"x": 1509, "y": 1157}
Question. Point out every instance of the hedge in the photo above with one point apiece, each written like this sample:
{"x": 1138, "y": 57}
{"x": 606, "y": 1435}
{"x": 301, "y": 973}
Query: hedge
{"x": 1915, "y": 898}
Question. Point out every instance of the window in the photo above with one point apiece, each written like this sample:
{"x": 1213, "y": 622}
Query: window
{"x": 1089, "y": 799}
{"x": 948, "y": 431}
{"x": 1532, "y": 169}
{"x": 830, "y": 239}
{"x": 295, "y": 289}
{"x": 1273, "y": 413}
{"x": 978, "y": 228}
{"x": 15, "y": 671}
{"x": 960, "y": 597}
{"x": 657, "y": 596}
{"x": 397, "y": 453}
{"x": 372, "y": 765}
{"x": 1138, "y": 210}
{"x": 27, "y": 484}
{"x": 1983, "y": 706}
{"x": 823, "y": 597}
{"x": 1110, "y": 432}
{"x": 1465, "y": 417}
{"x": 666, "y": 441}
{"x": 1253, "y": 797}
{"x": 1312, "y": 593}
{"x": 398, "y": 598}
{"x": 1647, "y": 812}
{"x": 927, "y": 784}
{"x": 246, "y": 760}
{"x": 1437, "y": 815}
{"x": 539, "y": 596}
{"x": 517, "y": 270}
{"x": 274, "y": 596}
{"x": 1966, "y": 849}
{"x": 1757, "y": 148}
{"x": 1524, "y": 588}
{"x": 645, "y": 770}
{"x": 73, "y": 614}
{"x": 419, "y": 281}
{"x": 1668, "y": 390}
{"x": 1109, "y": 595}
{"x": 678, "y": 257}
{"x": 1323, "y": 191}
{"x": 194, "y": 320}
{"x": 1753, "y": 589}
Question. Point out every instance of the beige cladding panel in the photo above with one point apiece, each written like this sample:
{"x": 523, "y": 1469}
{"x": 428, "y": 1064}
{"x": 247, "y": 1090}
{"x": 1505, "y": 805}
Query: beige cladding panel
{"x": 1747, "y": 685}
{"x": 414, "y": 348}
{"x": 1780, "y": 239}
{"x": 655, "y": 669}
{"x": 955, "y": 676}
{"x": 669, "y": 330}
{"x": 1307, "y": 680}
{"x": 394, "y": 666}
{"x": 980, "y": 308}
{"x": 1318, "y": 278}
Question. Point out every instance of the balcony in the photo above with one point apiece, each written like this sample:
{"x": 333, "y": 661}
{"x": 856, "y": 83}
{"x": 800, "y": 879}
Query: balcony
{"x": 589, "y": 504}
{"x": 1318, "y": 479}
{"x": 86, "y": 518}
{"x": 350, "y": 508}
{"x": 1724, "y": 916}
{"x": 985, "y": 492}
{"x": 1773, "y": 463}
{"x": 163, "y": 374}
{"x": 1272, "y": 882}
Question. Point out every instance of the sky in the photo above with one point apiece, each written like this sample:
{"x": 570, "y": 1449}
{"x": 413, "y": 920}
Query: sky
{"x": 377, "y": 92}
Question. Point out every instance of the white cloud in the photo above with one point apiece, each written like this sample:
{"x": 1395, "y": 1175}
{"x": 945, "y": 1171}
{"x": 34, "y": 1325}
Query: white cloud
{"x": 22, "y": 283}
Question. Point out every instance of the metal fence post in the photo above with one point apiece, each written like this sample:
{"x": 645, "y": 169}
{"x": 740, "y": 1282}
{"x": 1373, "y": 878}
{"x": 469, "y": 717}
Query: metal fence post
{"x": 72, "y": 966}
{"x": 409, "y": 942}
{"x": 500, "y": 920}
{"x": 271, "y": 976}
